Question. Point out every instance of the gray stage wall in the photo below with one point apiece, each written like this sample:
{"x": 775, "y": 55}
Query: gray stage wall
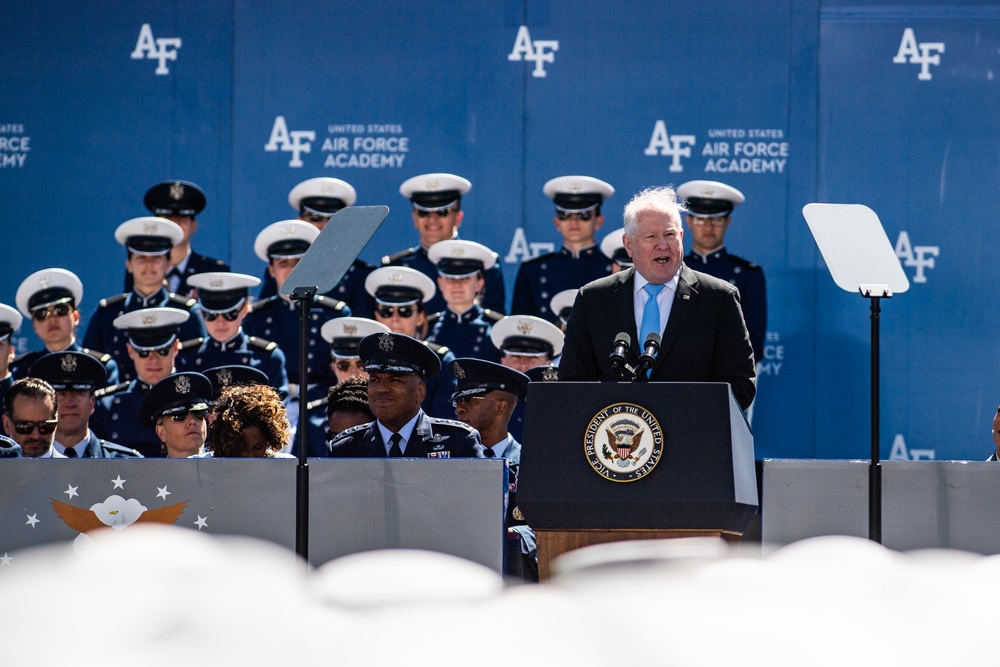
{"x": 455, "y": 507}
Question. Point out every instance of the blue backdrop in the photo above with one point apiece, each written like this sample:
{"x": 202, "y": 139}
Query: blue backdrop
{"x": 895, "y": 107}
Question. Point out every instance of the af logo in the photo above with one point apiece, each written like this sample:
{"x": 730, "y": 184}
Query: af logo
{"x": 676, "y": 146}
{"x": 521, "y": 249}
{"x": 295, "y": 142}
{"x": 539, "y": 51}
{"x": 900, "y": 452}
{"x": 918, "y": 257}
{"x": 918, "y": 54}
{"x": 161, "y": 49}
{"x": 623, "y": 442}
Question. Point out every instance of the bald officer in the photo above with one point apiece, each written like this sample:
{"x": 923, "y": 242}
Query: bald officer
{"x": 398, "y": 367}
{"x": 710, "y": 205}
{"x": 316, "y": 200}
{"x": 51, "y": 299}
{"x": 578, "y": 201}
{"x": 148, "y": 242}
{"x": 180, "y": 202}
{"x": 464, "y": 326}
{"x": 436, "y": 202}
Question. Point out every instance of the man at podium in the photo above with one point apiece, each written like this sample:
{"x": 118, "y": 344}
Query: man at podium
{"x": 681, "y": 325}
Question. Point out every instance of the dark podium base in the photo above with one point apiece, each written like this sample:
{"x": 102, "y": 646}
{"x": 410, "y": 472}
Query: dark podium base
{"x": 553, "y": 543}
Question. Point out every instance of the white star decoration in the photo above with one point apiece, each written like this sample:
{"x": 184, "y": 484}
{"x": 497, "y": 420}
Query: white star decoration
{"x": 118, "y": 482}
{"x": 71, "y": 490}
{"x": 5, "y": 559}
{"x": 202, "y": 522}
{"x": 163, "y": 493}
{"x": 32, "y": 520}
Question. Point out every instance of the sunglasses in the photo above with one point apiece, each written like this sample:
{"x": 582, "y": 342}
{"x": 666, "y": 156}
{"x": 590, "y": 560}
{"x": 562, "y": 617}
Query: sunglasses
{"x": 386, "y": 312}
{"x": 182, "y": 417}
{"x": 58, "y": 310}
{"x": 44, "y": 428}
{"x": 582, "y": 215}
{"x": 695, "y": 221}
{"x": 162, "y": 351}
{"x": 316, "y": 217}
{"x": 468, "y": 399}
{"x": 229, "y": 315}
{"x": 439, "y": 212}
{"x": 345, "y": 365}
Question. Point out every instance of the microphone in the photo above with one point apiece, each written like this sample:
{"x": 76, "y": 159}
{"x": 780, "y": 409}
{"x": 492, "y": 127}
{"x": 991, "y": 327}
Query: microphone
{"x": 617, "y": 358}
{"x": 649, "y": 350}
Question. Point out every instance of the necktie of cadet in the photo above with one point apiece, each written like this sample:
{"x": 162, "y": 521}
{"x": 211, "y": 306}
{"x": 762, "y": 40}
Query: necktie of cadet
{"x": 650, "y": 313}
{"x": 395, "y": 451}
{"x": 70, "y": 453}
{"x": 489, "y": 453}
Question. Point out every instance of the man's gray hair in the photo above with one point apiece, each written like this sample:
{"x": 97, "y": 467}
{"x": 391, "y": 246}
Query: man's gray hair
{"x": 661, "y": 199}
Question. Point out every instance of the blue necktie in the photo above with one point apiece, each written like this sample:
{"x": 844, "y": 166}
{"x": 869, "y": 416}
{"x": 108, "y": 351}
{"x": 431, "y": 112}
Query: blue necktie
{"x": 650, "y": 313}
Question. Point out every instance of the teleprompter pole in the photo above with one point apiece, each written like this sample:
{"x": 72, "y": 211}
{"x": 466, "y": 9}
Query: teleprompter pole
{"x": 875, "y": 293}
{"x": 303, "y": 297}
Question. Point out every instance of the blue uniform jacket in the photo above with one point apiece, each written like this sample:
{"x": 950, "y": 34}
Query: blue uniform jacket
{"x": 201, "y": 354}
{"x": 350, "y": 289}
{"x": 431, "y": 438}
{"x": 20, "y": 365}
{"x": 118, "y": 420}
{"x": 468, "y": 334}
{"x": 541, "y": 278}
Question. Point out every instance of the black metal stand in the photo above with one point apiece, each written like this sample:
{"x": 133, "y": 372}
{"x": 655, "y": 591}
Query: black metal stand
{"x": 875, "y": 293}
{"x": 303, "y": 296}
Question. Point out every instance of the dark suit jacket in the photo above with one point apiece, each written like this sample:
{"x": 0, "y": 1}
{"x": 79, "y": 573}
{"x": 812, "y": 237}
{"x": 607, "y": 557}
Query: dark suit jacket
{"x": 431, "y": 438}
{"x": 705, "y": 339}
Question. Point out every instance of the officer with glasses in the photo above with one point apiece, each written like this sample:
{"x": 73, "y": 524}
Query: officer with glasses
{"x": 175, "y": 409}
{"x": 10, "y": 321}
{"x": 710, "y": 205}
{"x": 151, "y": 337}
{"x": 148, "y": 242}
{"x": 316, "y": 200}
{"x": 578, "y": 218}
{"x": 51, "y": 299}
{"x": 75, "y": 376}
{"x": 225, "y": 301}
{"x": 436, "y": 201}
{"x": 401, "y": 295}
{"x": 29, "y": 416}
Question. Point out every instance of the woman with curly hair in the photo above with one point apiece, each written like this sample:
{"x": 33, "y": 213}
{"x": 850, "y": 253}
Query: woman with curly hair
{"x": 249, "y": 421}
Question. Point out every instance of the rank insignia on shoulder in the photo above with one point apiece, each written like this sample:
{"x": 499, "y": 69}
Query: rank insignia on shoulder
{"x": 439, "y": 455}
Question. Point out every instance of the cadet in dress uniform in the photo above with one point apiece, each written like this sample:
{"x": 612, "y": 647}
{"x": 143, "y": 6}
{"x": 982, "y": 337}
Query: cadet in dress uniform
{"x": 485, "y": 399}
{"x": 75, "y": 376}
{"x": 437, "y": 214}
{"x": 316, "y": 200}
{"x": 225, "y": 301}
{"x": 51, "y": 298}
{"x": 152, "y": 343}
{"x": 578, "y": 201}
{"x": 10, "y": 321}
{"x": 562, "y": 306}
{"x": 400, "y": 298}
{"x": 180, "y": 202}
{"x": 176, "y": 409}
{"x": 613, "y": 248}
{"x": 710, "y": 205}
{"x": 464, "y": 326}
{"x": 148, "y": 241}
{"x": 525, "y": 342}
{"x": 398, "y": 367}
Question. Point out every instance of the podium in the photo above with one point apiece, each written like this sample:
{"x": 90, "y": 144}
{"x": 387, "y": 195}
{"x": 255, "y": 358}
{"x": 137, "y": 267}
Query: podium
{"x": 606, "y": 462}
